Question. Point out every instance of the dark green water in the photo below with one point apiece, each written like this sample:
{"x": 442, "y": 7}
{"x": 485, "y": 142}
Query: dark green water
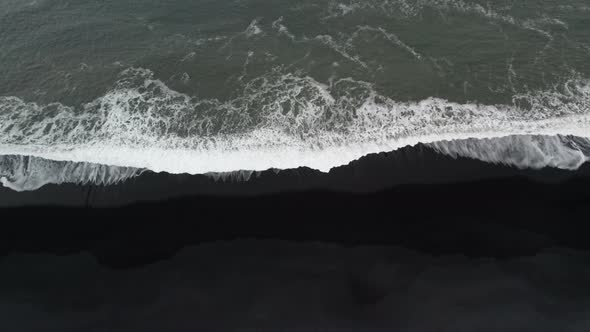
{"x": 200, "y": 86}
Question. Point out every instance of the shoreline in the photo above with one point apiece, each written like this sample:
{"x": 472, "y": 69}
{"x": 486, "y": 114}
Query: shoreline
{"x": 414, "y": 165}
{"x": 412, "y": 198}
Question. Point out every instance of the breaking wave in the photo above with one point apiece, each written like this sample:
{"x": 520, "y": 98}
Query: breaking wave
{"x": 279, "y": 120}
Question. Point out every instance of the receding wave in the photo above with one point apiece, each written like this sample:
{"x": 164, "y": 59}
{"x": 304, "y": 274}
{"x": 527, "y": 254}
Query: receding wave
{"x": 23, "y": 173}
{"x": 525, "y": 151}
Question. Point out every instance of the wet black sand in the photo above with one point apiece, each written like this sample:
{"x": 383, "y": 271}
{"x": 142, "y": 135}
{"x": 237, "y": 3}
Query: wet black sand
{"x": 410, "y": 166}
{"x": 412, "y": 198}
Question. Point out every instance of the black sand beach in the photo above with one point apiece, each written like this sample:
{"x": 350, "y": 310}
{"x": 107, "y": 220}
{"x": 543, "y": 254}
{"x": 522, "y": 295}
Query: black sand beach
{"x": 413, "y": 198}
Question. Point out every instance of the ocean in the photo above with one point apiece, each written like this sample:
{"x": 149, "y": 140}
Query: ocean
{"x": 101, "y": 91}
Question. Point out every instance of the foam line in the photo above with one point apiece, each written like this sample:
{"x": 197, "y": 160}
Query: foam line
{"x": 141, "y": 123}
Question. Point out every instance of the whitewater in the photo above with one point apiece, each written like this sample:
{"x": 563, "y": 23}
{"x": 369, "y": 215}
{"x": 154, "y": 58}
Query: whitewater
{"x": 302, "y": 123}
{"x": 315, "y": 85}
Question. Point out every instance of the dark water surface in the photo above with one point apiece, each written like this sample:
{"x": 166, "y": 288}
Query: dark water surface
{"x": 216, "y": 86}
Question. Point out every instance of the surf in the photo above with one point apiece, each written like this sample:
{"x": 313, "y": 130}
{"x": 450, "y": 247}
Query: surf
{"x": 282, "y": 120}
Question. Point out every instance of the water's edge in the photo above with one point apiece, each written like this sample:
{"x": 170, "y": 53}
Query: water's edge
{"x": 58, "y": 183}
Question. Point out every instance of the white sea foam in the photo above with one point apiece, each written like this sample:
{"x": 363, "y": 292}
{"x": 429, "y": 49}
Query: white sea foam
{"x": 414, "y": 8}
{"x": 253, "y": 29}
{"x": 389, "y": 36}
{"x": 526, "y": 151}
{"x": 189, "y": 56}
{"x": 23, "y": 173}
{"x": 345, "y": 46}
{"x": 282, "y": 29}
{"x": 280, "y": 120}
